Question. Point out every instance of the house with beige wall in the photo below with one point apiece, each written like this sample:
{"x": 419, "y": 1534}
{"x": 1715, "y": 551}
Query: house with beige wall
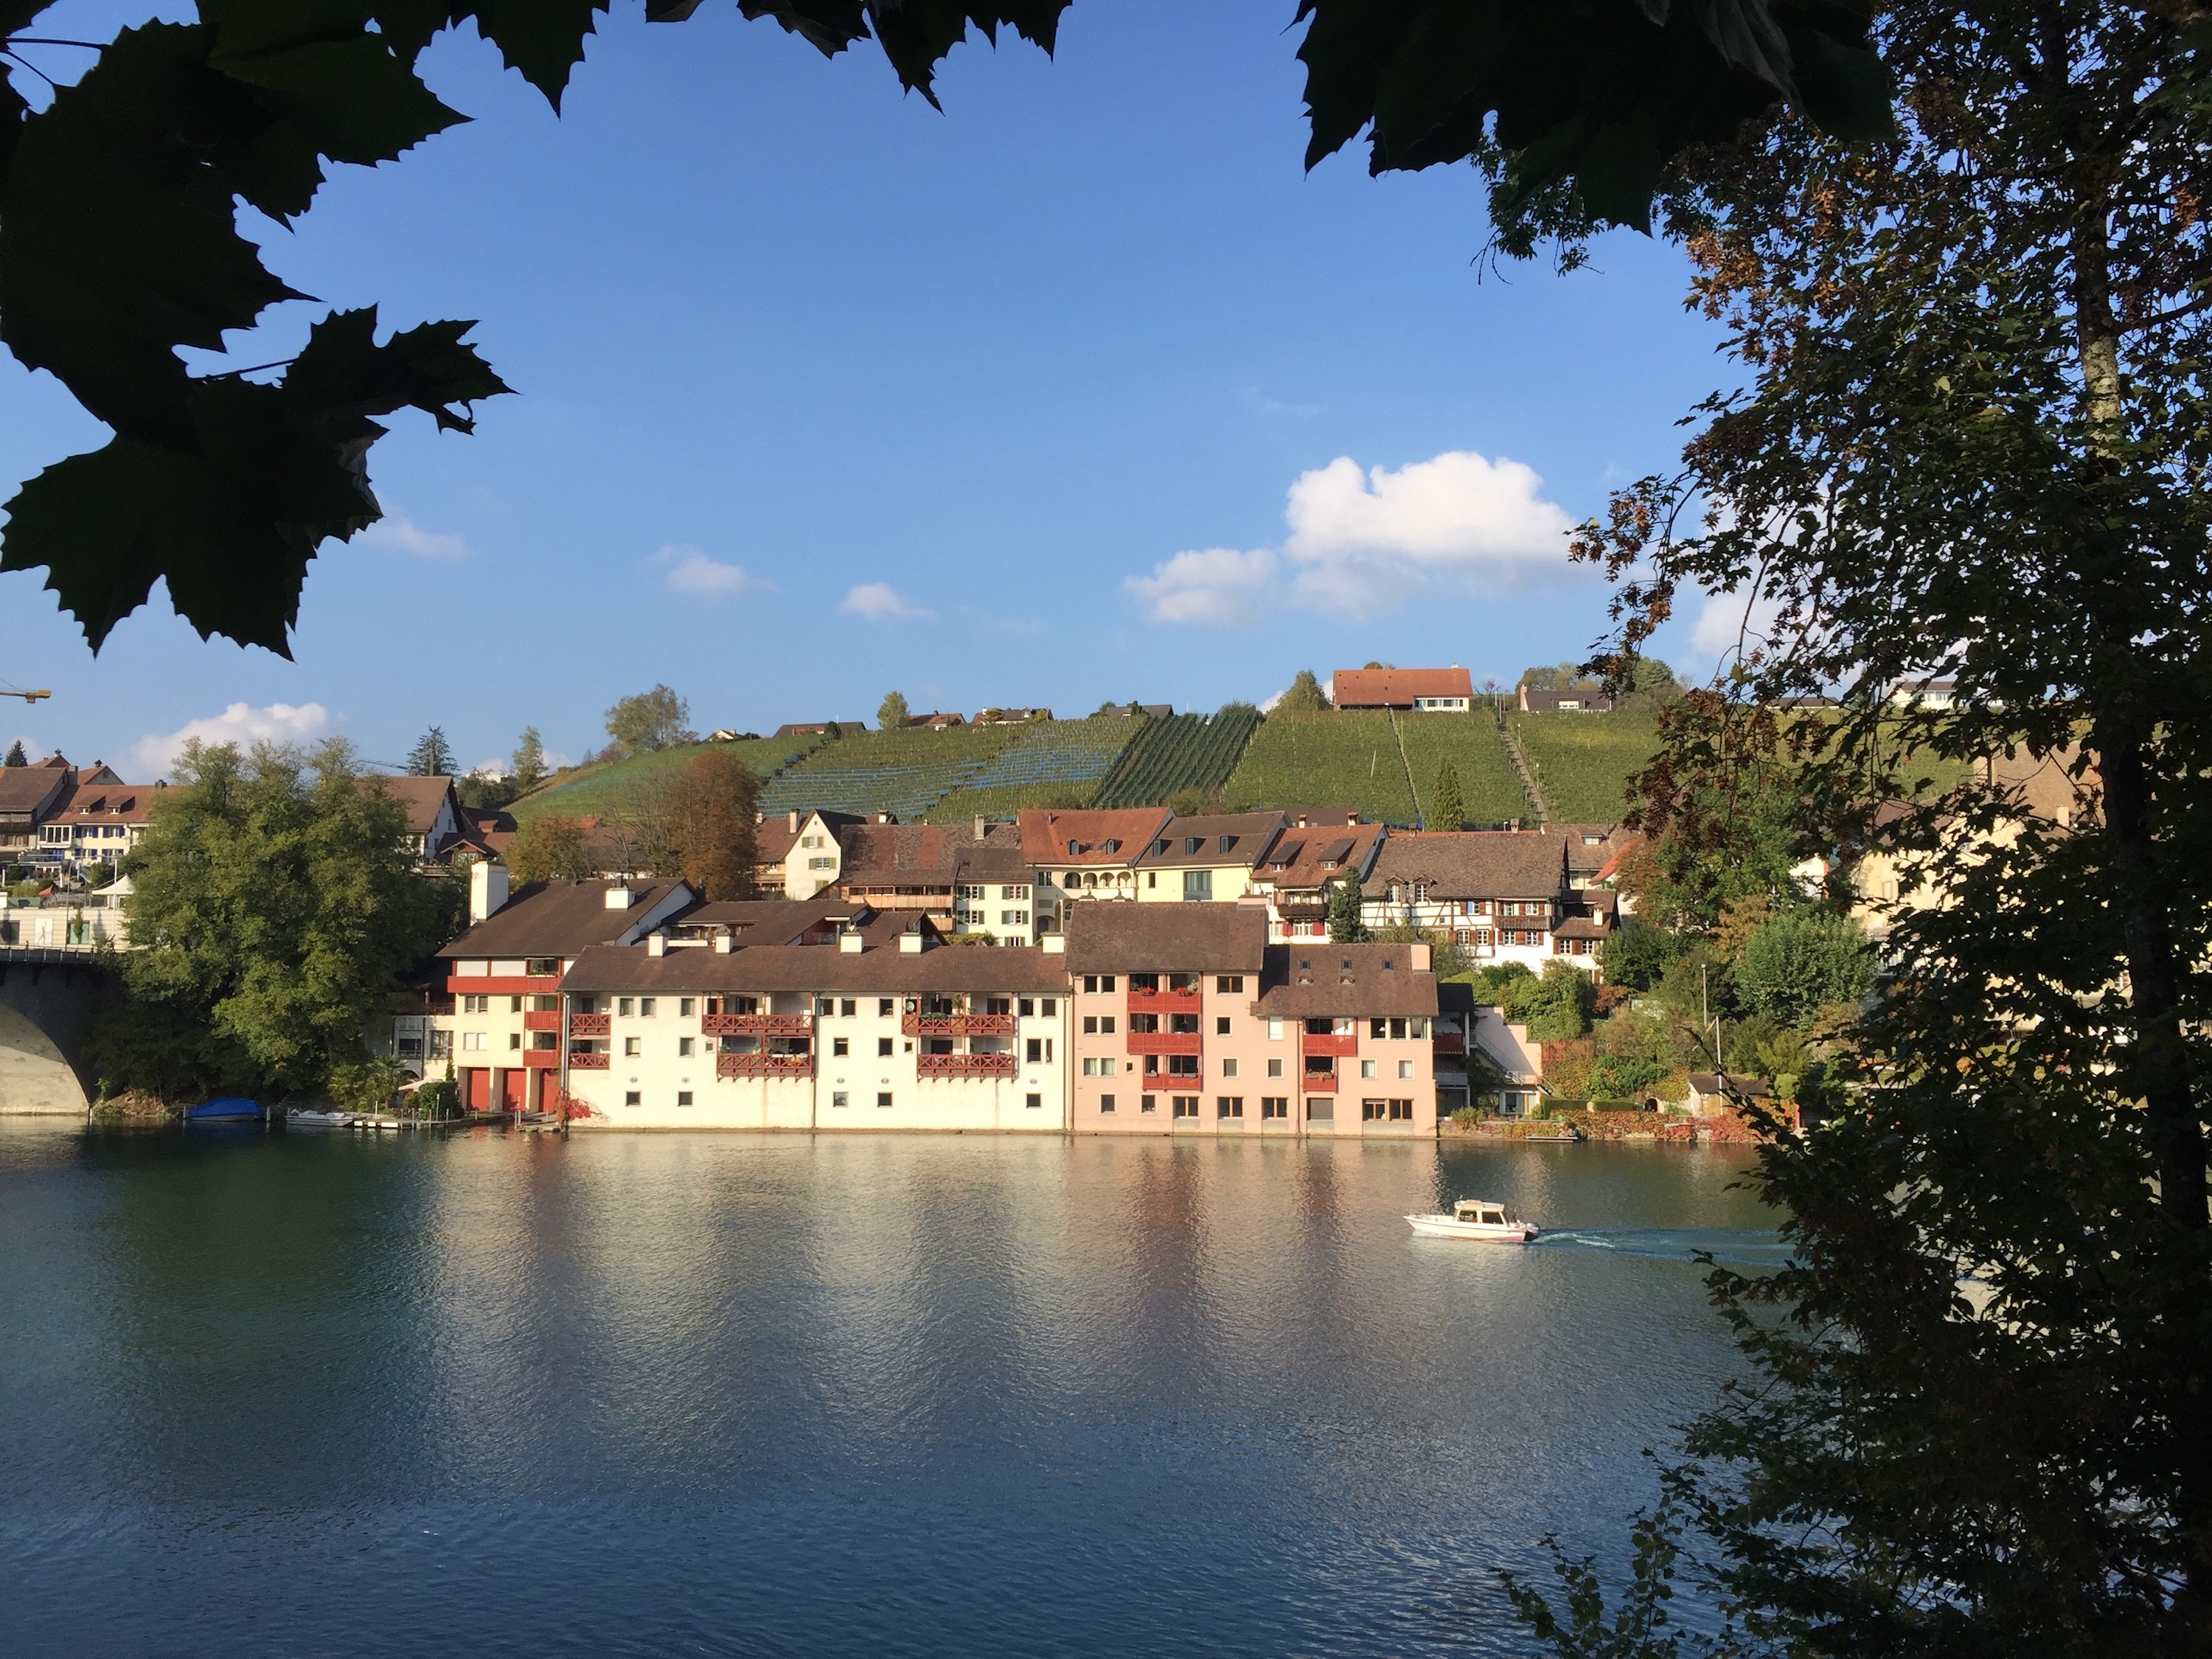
{"x": 1207, "y": 859}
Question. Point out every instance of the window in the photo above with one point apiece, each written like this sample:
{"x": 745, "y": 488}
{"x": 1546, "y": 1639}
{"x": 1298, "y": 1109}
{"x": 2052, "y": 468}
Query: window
{"x": 1148, "y": 1102}
{"x": 630, "y": 1098}
{"x": 1275, "y": 1106}
{"x": 1227, "y": 983}
{"x": 1274, "y": 1068}
{"x": 1048, "y": 1007}
{"x": 839, "y": 1098}
{"x": 1013, "y": 918}
{"x": 472, "y": 1042}
{"x": 822, "y": 864}
{"x": 1028, "y": 1005}
{"x": 514, "y": 1039}
{"x": 1091, "y": 1067}
{"x": 514, "y": 1005}
{"x": 1405, "y": 1068}
{"x": 683, "y": 1046}
{"x": 1401, "y": 1111}
{"x": 1221, "y": 1026}
{"x": 1229, "y": 1068}
{"x": 1377, "y": 1028}
{"x": 1186, "y": 1105}
{"x": 825, "y": 1005}
{"x": 1394, "y": 1111}
{"x": 885, "y": 1007}
{"x": 1147, "y": 1024}
{"x": 1183, "y": 1025}
{"x": 883, "y": 1047}
{"x": 1182, "y": 1065}
{"x": 629, "y": 1047}
{"x": 687, "y": 1007}
{"x": 1035, "y": 1049}
{"x": 1367, "y": 1068}
{"x": 683, "y": 1097}
{"x": 1274, "y": 1030}
{"x": 1144, "y": 981}
{"x": 884, "y": 1098}
{"x": 1036, "y": 1103}
{"x": 1398, "y": 1029}
{"x": 1106, "y": 1025}
{"x": 1183, "y": 982}
{"x": 475, "y": 1004}
{"x": 1229, "y": 1106}
{"x": 840, "y": 1048}
{"x": 848, "y": 1008}
{"x": 1321, "y": 1108}
{"x": 1019, "y": 891}
{"x": 625, "y": 1007}
{"x": 645, "y": 1007}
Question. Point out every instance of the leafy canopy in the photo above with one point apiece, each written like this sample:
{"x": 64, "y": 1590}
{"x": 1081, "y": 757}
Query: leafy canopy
{"x": 649, "y": 720}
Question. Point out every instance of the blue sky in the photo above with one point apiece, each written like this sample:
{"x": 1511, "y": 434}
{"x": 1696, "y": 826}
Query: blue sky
{"x": 824, "y": 392}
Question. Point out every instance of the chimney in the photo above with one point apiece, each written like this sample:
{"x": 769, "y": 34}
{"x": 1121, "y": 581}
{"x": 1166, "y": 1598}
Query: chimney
{"x": 486, "y": 888}
{"x": 656, "y": 944}
{"x": 1054, "y": 944}
{"x": 910, "y": 942}
{"x": 979, "y": 826}
{"x": 795, "y": 820}
{"x": 1418, "y": 955}
{"x": 850, "y": 943}
{"x": 883, "y": 818}
{"x": 722, "y": 943}
{"x": 618, "y": 896}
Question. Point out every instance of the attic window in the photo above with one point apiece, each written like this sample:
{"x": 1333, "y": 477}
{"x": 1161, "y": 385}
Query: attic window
{"x": 1305, "y": 967}
{"x": 1161, "y": 845}
{"x": 1386, "y": 965}
{"x": 1191, "y": 843}
{"x": 1347, "y": 964}
{"x": 1228, "y": 842}
{"x": 1109, "y": 847}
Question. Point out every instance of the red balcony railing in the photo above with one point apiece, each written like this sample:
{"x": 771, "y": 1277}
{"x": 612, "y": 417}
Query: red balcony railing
{"x": 1450, "y": 1045}
{"x": 1162, "y": 1002}
{"x": 762, "y": 1026}
{"x": 586, "y": 1059}
{"x": 587, "y": 1025}
{"x": 958, "y": 1025}
{"x": 965, "y": 1064}
{"x": 542, "y": 1019}
{"x": 763, "y": 1065}
{"x": 541, "y": 1057}
{"x": 1319, "y": 1043}
{"x": 1164, "y": 1043}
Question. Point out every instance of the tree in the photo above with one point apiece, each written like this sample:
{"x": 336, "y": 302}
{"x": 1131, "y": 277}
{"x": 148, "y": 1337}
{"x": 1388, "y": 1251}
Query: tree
{"x": 1305, "y": 695}
{"x": 650, "y": 720}
{"x": 548, "y": 849}
{"x": 1801, "y": 962}
{"x": 1969, "y": 440}
{"x": 891, "y": 714}
{"x": 15, "y": 755}
{"x": 1345, "y": 927}
{"x": 431, "y": 756}
{"x": 1446, "y": 810}
{"x": 271, "y": 909}
{"x": 713, "y": 809}
{"x": 1636, "y": 954}
{"x": 527, "y": 763}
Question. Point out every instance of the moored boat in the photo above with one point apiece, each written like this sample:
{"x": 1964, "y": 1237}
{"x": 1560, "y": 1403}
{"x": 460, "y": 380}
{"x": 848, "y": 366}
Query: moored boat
{"x": 307, "y": 1118}
{"x": 231, "y": 1109}
{"x": 1477, "y": 1218}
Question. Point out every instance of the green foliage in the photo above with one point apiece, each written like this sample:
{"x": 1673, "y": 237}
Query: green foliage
{"x": 527, "y": 763}
{"x": 1803, "y": 960}
{"x": 1639, "y": 1628}
{"x": 272, "y": 906}
{"x": 1446, "y": 810}
{"x": 485, "y": 794}
{"x": 649, "y": 721}
{"x": 431, "y": 756}
{"x": 711, "y": 832}
{"x": 1560, "y": 1005}
{"x": 438, "y": 1100}
{"x": 1345, "y": 927}
{"x": 549, "y": 848}
{"x": 1183, "y": 752}
{"x": 1583, "y": 763}
{"x": 1636, "y": 954}
{"x": 891, "y": 712}
{"x": 1305, "y": 696}
{"x": 598, "y": 790}
{"x": 366, "y": 1086}
{"x": 1619, "y": 1077}
{"x": 909, "y": 773}
{"x": 15, "y": 755}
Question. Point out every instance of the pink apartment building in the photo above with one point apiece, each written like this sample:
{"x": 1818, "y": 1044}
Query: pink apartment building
{"x": 1185, "y": 1020}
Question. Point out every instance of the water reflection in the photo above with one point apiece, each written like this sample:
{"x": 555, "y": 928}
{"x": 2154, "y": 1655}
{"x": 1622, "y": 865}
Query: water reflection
{"x": 733, "y": 1395}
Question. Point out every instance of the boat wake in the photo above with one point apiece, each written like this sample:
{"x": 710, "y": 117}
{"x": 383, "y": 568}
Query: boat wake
{"x": 1736, "y": 1248}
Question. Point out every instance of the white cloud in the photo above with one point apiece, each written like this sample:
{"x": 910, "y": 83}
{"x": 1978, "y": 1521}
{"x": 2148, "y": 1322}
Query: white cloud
{"x": 881, "y": 602}
{"x": 1732, "y": 623}
{"x": 398, "y": 530}
{"x": 690, "y": 571}
{"x": 1217, "y": 584}
{"x": 280, "y": 722}
{"x": 1366, "y": 541}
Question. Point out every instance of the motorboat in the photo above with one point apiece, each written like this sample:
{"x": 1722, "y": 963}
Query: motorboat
{"x": 1476, "y": 1217}
{"x": 232, "y": 1108}
{"x": 307, "y": 1118}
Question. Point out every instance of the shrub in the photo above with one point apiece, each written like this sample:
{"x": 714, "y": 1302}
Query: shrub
{"x": 1799, "y": 962}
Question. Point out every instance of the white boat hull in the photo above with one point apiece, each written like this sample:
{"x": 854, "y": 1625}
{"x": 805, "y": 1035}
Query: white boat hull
{"x": 1445, "y": 1226}
{"x": 319, "y": 1120}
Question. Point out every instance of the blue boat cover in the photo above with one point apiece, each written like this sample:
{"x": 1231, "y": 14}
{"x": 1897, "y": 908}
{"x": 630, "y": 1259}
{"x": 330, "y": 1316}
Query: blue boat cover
{"x": 231, "y": 1106}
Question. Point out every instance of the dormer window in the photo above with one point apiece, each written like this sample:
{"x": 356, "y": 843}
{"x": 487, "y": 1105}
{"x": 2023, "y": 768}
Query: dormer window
{"x": 1191, "y": 843}
{"x": 1228, "y": 842}
{"x": 1109, "y": 847}
{"x": 1160, "y": 847}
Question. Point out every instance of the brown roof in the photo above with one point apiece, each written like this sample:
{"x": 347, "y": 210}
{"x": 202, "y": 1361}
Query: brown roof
{"x": 1104, "y": 936}
{"x": 26, "y": 791}
{"x": 774, "y": 837}
{"x": 126, "y": 803}
{"x": 1377, "y": 688}
{"x": 422, "y": 797}
{"x": 927, "y": 854}
{"x": 754, "y": 922}
{"x": 559, "y": 918}
{"x": 1052, "y": 838}
{"x": 1305, "y": 860}
{"x": 1582, "y": 927}
{"x": 879, "y": 969}
{"x": 1223, "y": 840}
{"x": 1303, "y": 981}
{"x": 1473, "y": 864}
{"x": 1590, "y": 846}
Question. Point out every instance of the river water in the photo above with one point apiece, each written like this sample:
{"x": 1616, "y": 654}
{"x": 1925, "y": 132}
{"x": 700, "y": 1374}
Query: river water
{"x": 302, "y": 1394}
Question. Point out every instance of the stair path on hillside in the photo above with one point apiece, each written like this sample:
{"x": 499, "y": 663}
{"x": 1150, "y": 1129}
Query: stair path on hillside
{"x": 1529, "y": 787}
{"x": 1420, "y": 818}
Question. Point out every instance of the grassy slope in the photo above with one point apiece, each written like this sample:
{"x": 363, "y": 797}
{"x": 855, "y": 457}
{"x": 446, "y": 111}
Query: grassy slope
{"x": 592, "y": 791}
{"x": 889, "y": 771}
{"x": 1347, "y": 759}
{"x": 1079, "y": 753}
{"x": 1582, "y": 761}
{"x": 1488, "y": 785}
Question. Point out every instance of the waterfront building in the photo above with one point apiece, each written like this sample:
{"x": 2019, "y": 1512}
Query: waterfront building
{"x": 971, "y": 879}
{"x": 1502, "y": 895}
{"x": 1185, "y": 1019}
{"x": 884, "y": 1026}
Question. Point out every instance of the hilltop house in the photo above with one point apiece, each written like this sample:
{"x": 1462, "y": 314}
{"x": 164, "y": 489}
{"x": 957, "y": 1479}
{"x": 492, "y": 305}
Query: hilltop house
{"x": 1421, "y": 690}
{"x": 1577, "y": 696}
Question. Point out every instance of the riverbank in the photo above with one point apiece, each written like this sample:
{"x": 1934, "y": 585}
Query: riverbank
{"x": 1723, "y": 1128}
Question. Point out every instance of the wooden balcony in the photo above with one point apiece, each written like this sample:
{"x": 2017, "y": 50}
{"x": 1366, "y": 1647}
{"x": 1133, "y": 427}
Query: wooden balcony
{"x": 759, "y": 1025}
{"x": 965, "y": 1064}
{"x": 958, "y": 1025}
{"x": 587, "y": 1025}
{"x": 586, "y": 1059}
{"x": 763, "y": 1065}
{"x": 1164, "y": 1043}
{"x": 533, "y": 1058}
{"x": 542, "y": 1019}
{"x": 1162, "y": 1002}
{"x": 1314, "y": 1043}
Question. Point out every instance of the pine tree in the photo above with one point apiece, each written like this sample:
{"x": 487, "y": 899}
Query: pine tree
{"x": 1447, "y": 810}
{"x": 431, "y": 756}
{"x": 1345, "y": 927}
{"x": 15, "y": 755}
{"x": 528, "y": 761}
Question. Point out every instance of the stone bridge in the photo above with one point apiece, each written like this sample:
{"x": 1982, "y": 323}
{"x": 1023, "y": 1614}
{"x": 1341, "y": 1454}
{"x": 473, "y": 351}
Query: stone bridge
{"x": 46, "y": 999}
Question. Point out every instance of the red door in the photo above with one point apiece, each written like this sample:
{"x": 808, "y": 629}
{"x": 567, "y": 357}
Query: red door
{"x": 476, "y": 1089}
{"x": 512, "y": 1087}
